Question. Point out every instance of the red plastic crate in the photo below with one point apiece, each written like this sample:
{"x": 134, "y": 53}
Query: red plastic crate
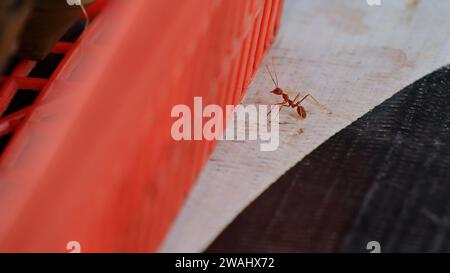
{"x": 92, "y": 159}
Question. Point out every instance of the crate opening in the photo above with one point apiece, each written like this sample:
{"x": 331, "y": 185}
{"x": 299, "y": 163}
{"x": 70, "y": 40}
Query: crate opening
{"x": 4, "y": 141}
{"x": 44, "y": 69}
{"x": 22, "y": 99}
{"x": 74, "y": 32}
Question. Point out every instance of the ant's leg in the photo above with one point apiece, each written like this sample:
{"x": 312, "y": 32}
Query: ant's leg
{"x": 304, "y": 98}
{"x": 279, "y": 110}
{"x": 271, "y": 108}
{"x": 296, "y": 98}
{"x": 283, "y": 104}
{"x": 315, "y": 100}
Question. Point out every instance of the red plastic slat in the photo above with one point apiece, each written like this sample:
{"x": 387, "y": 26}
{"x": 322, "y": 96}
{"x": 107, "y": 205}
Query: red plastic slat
{"x": 92, "y": 159}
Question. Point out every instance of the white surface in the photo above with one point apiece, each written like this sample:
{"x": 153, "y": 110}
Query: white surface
{"x": 347, "y": 54}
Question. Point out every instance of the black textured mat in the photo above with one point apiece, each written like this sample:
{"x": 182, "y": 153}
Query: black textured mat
{"x": 384, "y": 178}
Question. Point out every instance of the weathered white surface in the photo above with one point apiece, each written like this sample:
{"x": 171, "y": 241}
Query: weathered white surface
{"x": 347, "y": 54}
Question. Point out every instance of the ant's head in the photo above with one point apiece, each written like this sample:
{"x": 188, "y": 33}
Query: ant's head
{"x": 301, "y": 112}
{"x": 277, "y": 91}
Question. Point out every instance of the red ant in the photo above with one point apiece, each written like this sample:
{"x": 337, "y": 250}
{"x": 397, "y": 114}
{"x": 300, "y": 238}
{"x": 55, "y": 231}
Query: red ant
{"x": 287, "y": 102}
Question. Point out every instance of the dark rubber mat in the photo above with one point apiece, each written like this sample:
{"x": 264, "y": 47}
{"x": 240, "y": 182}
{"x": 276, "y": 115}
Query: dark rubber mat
{"x": 384, "y": 178}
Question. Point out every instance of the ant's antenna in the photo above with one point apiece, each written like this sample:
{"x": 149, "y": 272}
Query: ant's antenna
{"x": 274, "y": 70}
{"x": 271, "y": 76}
